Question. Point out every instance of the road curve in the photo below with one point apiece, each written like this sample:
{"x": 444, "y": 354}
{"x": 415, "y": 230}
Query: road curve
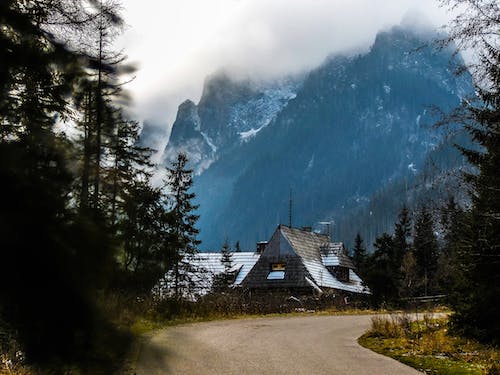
{"x": 311, "y": 345}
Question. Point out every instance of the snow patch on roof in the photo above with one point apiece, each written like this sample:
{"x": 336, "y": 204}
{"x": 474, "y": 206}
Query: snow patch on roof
{"x": 205, "y": 266}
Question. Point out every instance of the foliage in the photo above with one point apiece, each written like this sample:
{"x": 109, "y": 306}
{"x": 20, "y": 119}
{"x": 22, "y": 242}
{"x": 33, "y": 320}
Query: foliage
{"x": 79, "y": 217}
{"x": 404, "y": 265}
{"x": 427, "y": 346}
{"x": 426, "y": 250}
{"x": 402, "y": 235}
{"x": 145, "y": 233}
{"x": 477, "y": 25}
{"x": 184, "y": 244}
{"x": 380, "y": 276}
{"x": 224, "y": 280}
{"x": 359, "y": 256}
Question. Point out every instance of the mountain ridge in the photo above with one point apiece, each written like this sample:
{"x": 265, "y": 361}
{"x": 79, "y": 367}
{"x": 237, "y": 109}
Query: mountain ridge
{"x": 354, "y": 125}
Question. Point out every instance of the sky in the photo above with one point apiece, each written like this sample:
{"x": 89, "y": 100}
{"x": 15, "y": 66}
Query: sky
{"x": 177, "y": 43}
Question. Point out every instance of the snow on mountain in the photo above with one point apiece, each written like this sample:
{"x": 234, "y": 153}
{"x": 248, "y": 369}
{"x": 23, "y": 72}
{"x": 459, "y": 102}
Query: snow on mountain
{"x": 229, "y": 112}
{"x": 354, "y": 126}
{"x": 351, "y": 133}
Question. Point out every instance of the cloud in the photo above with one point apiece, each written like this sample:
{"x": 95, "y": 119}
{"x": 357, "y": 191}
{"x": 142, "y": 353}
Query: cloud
{"x": 177, "y": 43}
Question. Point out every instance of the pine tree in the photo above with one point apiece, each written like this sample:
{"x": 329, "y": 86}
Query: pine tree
{"x": 378, "y": 276}
{"x": 227, "y": 256}
{"x": 145, "y": 232}
{"x": 184, "y": 246}
{"x": 426, "y": 249}
{"x": 476, "y": 315}
{"x": 49, "y": 252}
{"x": 128, "y": 162}
{"x": 101, "y": 102}
{"x": 359, "y": 255}
{"x": 401, "y": 261}
{"x": 402, "y": 234}
{"x": 237, "y": 247}
{"x": 451, "y": 222}
{"x": 224, "y": 280}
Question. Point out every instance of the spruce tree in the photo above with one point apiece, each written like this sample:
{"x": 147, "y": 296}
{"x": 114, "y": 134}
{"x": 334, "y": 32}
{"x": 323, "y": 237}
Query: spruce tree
{"x": 224, "y": 280}
{"x": 237, "y": 247}
{"x": 184, "y": 247}
{"x": 448, "y": 272}
{"x": 401, "y": 258}
{"x": 426, "y": 249}
{"x": 226, "y": 256}
{"x": 359, "y": 255}
{"x": 53, "y": 263}
{"x": 145, "y": 232}
{"x": 476, "y": 315}
{"x": 402, "y": 234}
{"x": 379, "y": 276}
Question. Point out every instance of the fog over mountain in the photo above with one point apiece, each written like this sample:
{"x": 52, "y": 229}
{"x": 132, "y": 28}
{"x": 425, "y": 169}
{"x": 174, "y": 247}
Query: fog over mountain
{"x": 179, "y": 43}
{"x": 348, "y": 135}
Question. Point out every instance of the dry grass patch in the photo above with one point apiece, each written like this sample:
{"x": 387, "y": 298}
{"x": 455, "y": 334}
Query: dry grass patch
{"x": 427, "y": 346}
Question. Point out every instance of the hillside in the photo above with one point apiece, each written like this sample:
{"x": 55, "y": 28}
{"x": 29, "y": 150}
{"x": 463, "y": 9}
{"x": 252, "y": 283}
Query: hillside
{"x": 349, "y": 134}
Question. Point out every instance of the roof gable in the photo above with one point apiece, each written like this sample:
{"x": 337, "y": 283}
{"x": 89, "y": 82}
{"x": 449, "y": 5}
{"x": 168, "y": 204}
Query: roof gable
{"x": 278, "y": 250}
{"x": 308, "y": 246}
{"x": 278, "y": 246}
{"x": 304, "y": 243}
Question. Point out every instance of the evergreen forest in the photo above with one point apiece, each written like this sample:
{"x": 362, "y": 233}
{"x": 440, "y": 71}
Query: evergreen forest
{"x": 81, "y": 223}
{"x": 85, "y": 235}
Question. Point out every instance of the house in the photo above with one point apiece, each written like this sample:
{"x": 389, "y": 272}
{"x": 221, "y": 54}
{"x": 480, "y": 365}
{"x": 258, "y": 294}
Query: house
{"x": 297, "y": 261}
{"x": 303, "y": 262}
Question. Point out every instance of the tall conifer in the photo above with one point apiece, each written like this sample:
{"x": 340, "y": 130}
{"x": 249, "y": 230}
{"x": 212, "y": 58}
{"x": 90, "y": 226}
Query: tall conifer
{"x": 184, "y": 247}
{"x": 477, "y": 26}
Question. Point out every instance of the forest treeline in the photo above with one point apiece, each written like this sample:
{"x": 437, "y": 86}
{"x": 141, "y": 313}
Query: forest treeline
{"x": 80, "y": 219}
{"x": 420, "y": 257}
{"x": 455, "y": 250}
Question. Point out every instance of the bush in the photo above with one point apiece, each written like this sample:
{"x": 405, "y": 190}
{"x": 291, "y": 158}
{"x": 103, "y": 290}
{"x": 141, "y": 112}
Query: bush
{"x": 392, "y": 327}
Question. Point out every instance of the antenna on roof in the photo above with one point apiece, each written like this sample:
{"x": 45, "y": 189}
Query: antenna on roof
{"x": 290, "y": 210}
{"x": 327, "y": 223}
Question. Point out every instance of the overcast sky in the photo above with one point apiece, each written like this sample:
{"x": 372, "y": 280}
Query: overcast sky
{"x": 177, "y": 43}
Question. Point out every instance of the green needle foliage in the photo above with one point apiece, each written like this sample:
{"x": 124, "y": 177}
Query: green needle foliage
{"x": 477, "y": 287}
{"x": 79, "y": 217}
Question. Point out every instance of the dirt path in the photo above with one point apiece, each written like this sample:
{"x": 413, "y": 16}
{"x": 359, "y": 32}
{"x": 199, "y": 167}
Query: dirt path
{"x": 309, "y": 345}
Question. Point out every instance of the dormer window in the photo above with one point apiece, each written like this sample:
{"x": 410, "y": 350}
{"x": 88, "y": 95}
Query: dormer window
{"x": 340, "y": 273}
{"x": 277, "y": 266}
{"x": 277, "y": 271}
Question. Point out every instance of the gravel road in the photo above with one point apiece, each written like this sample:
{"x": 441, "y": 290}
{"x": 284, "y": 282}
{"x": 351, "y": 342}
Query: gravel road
{"x": 311, "y": 345}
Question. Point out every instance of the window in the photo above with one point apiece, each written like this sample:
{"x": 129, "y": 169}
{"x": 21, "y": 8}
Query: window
{"x": 276, "y": 275}
{"x": 277, "y": 266}
{"x": 277, "y": 271}
{"x": 340, "y": 273}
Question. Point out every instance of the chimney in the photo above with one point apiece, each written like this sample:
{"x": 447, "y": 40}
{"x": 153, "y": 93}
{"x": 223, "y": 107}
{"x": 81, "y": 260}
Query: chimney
{"x": 307, "y": 229}
{"x": 261, "y": 246}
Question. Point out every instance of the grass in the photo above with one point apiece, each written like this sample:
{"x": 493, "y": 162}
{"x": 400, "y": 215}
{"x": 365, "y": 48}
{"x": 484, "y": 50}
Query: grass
{"x": 131, "y": 320}
{"x": 427, "y": 346}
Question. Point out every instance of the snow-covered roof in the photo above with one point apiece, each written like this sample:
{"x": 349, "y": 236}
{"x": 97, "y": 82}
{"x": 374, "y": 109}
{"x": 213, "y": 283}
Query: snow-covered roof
{"x": 242, "y": 262}
{"x": 317, "y": 253}
{"x": 203, "y": 267}
{"x": 334, "y": 254}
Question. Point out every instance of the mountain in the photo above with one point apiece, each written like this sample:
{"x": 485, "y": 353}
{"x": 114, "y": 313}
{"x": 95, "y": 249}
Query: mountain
{"x": 353, "y": 130}
{"x": 229, "y": 112}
